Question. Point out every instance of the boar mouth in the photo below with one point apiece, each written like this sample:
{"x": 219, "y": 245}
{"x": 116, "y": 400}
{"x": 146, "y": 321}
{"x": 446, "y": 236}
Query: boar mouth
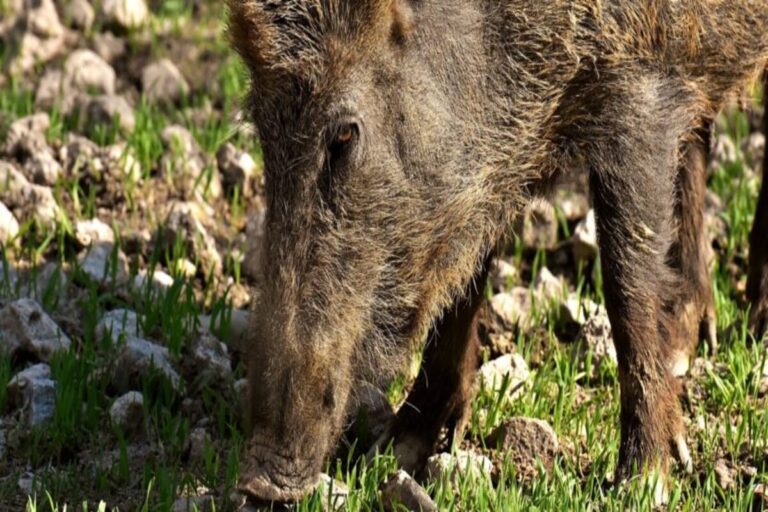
{"x": 275, "y": 477}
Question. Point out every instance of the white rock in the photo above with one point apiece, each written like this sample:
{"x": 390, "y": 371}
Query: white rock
{"x": 596, "y": 337}
{"x": 183, "y": 224}
{"x": 33, "y": 49}
{"x": 28, "y": 201}
{"x": 117, "y": 324}
{"x": 573, "y": 205}
{"x": 185, "y": 268}
{"x": 724, "y": 150}
{"x": 12, "y": 182}
{"x": 108, "y": 110}
{"x": 35, "y": 284}
{"x": 37, "y": 35}
{"x": 578, "y": 309}
{"x": 127, "y": 14}
{"x": 701, "y": 368}
{"x": 122, "y": 163}
{"x": 208, "y": 361}
{"x": 37, "y": 123}
{"x": 526, "y": 441}
{"x": 79, "y": 14}
{"x": 159, "y": 280}
{"x": 127, "y": 412}
{"x": 760, "y": 492}
{"x": 401, "y": 490}
{"x": 509, "y": 368}
{"x": 108, "y": 46}
{"x": 43, "y": 20}
{"x": 198, "y": 439}
{"x": 539, "y": 226}
{"x": 24, "y": 326}
{"x": 447, "y": 467}
{"x": 34, "y": 391}
{"x": 185, "y": 167}
{"x": 239, "y": 323}
{"x": 26, "y": 136}
{"x": 178, "y": 138}
{"x": 43, "y": 168}
{"x": 86, "y": 72}
{"x": 501, "y": 342}
{"x": 513, "y": 307}
{"x": 585, "y": 246}
{"x": 503, "y": 274}
{"x": 42, "y": 205}
{"x": 26, "y": 483}
{"x": 49, "y": 89}
{"x": 334, "y": 493}
{"x": 547, "y": 287}
{"x": 162, "y": 82}
{"x": 102, "y": 265}
{"x": 755, "y": 149}
{"x": 139, "y": 357}
{"x": 78, "y": 153}
{"x": 723, "y": 474}
{"x": 237, "y": 168}
{"x": 93, "y": 231}
{"x": 9, "y": 226}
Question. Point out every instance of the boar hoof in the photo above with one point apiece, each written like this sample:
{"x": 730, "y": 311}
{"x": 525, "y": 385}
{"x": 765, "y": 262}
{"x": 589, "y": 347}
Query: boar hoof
{"x": 657, "y": 477}
{"x": 655, "y": 481}
{"x": 680, "y": 364}
{"x": 683, "y": 454}
{"x": 651, "y": 441}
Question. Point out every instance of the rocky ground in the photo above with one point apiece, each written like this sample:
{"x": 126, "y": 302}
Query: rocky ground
{"x": 130, "y": 211}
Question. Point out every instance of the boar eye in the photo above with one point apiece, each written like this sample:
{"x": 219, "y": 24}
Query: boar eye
{"x": 342, "y": 140}
{"x": 345, "y": 135}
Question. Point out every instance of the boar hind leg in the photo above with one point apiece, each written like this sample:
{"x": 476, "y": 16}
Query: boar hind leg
{"x": 757, "y": 285}
{"x": 695, "y": 311}
{"x": 443, "y": 390}
{"x": 633, "y": 160}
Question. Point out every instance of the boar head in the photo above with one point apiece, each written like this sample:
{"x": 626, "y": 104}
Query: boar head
{"x": 381, "y": 204}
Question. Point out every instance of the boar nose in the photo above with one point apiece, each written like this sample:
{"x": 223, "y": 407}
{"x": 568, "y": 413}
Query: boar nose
{"x": 292, "y": 400}
{"x": 304, "y": 398}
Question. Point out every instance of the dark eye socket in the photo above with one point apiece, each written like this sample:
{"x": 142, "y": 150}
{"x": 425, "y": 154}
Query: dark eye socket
{"x": 342, "y": 140}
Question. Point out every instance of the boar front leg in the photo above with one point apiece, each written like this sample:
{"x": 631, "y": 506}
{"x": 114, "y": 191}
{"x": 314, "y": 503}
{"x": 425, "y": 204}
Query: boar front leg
{"x": 633, "y": 158}
{"x": 690, "y": 254}
{"x": 443, "y": 391}
{"x": 757, "y": 285}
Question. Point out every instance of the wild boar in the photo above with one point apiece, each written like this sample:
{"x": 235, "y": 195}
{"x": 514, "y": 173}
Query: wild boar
{"x": 400, "y": 140}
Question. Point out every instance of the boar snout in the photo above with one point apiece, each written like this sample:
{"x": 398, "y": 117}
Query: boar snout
{"x": 274, "y": 475}
{"x": 298, "y": 397}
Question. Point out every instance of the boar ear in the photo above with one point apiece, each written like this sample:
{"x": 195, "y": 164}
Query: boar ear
{"x": 403, "y": 20}
{"x": 251, "y": 33}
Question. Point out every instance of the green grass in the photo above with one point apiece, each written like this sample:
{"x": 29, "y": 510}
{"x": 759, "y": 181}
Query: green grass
{"x": 81, "y": 462}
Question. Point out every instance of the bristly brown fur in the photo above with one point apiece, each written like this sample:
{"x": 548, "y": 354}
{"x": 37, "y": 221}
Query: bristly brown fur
{"x": 299, "y": 37}
{"x": 465, "y": 110}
